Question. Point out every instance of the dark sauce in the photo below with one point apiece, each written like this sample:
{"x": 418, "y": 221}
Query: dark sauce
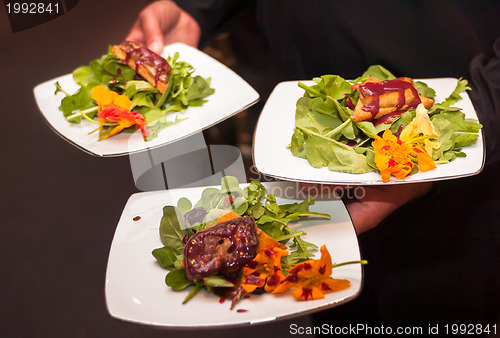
{"x": 306, "y": 293}
{"x": 202, "y": 259}
{"x": 195, "y": 215}
{"x": 375, "y": 89}
{"x": 398, "y": 132}
{"x": 274, "y": 280}
{"x": 348, "y": 103}
{"x": 388, "y": 119}
{"x": 254, "y": 279}
{"x": 360, "y": 137}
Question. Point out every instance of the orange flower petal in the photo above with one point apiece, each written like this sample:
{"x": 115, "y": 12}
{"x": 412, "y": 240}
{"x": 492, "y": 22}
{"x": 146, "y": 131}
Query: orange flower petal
{"x": 308, "y": 293}
{"x": 325, "y": 262}
{"x": 103, "y": 96}
{"x": 425, "y": 162}
{"x": 332, "y": 284}
{"x": 264, "y": 271}
{"x": 285, "y": 286}
{"x": 392, "y": 156}
{"x": 274, "y": 280}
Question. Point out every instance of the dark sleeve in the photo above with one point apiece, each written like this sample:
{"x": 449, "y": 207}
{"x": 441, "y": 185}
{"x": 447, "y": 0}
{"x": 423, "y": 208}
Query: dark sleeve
{"x": 485, "y": 82}
{"x": 213, "y": 16}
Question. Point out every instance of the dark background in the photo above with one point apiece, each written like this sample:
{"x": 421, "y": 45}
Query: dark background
{"x": 60, "y": 206}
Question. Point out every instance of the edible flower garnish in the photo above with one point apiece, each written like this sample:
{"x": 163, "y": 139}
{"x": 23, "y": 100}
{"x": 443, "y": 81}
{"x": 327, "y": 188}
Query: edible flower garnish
{"x": 264, "y": 271}
{"x": 103, "y": 96}
{"x": 114, "y": 112}
{"x": 421, "y": 130}
{"x": 312, "y": 278}
{"x": 395, "y": 157}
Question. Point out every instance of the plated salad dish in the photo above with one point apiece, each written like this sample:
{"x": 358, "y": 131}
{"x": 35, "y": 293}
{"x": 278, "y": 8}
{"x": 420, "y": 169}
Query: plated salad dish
{"x": 237, "y": 242}
{"x": 135, "y": 287}
{"x": 381, "y": 123}
{"x": 132, "y": 88}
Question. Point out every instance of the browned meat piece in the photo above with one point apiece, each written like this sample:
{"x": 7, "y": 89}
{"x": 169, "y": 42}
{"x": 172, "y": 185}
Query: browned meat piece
{"x": 378, "y": 98}
{"x": 151, "y": 66}
{"x": 427, "y": 102}
{"x": 222, "y": 248}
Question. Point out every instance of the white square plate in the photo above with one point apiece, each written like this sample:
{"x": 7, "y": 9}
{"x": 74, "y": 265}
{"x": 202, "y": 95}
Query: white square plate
{"x": 232, "y": 95}
{"x": 276, "y": 125}
{"x": 135, "y": 283}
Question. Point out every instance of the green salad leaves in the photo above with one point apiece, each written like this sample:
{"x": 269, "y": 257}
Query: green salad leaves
{"x": 183, "y": 90}
{"x": 183, "y": 220}
{"x": 326, "y": 135}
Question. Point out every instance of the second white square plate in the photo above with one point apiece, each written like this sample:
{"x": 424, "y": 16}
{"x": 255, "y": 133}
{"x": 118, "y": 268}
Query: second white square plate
{"x": 276, "y": 125}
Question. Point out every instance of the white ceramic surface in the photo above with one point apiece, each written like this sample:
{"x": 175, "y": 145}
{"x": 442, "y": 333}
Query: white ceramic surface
{"x": 275, "y": 129}
{"x": 232, "y": 95}
{"x": 135, "y": 283}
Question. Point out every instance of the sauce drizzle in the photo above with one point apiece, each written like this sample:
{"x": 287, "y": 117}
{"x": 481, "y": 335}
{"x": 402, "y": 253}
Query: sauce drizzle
{"x": 143, "y": 55}
{"x": 375, "y": 89}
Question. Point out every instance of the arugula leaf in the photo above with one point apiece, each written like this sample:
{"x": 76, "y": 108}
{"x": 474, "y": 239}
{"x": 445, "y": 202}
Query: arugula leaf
{"x": 454, "y": 132}
{"x": 197, "y": 90}
{"x": 316, "y": 114}
{"x": 198, "y": 286}
{"x": 403, "y": 120}
{"x": 80, "y": 100}
{"x": 173, "y": 229}
{"x": 462, "y": 86}
{"x": 217, "y": 282}
{"x": 184, "y": 205}
{"x": 302, "y": 250}
{"x": 83, "y": 76}
{"x": 377, "y": 72}
{"x": 424, "y": 90}
{"x": 165, "y": 256}
{"x": 321, "y": 151}
{"x": 159, "y": 122}
{"x": 177, "y": 280}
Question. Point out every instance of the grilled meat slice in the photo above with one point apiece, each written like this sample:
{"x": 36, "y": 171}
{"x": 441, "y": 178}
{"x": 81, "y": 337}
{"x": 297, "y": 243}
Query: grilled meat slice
{"x": 151, "y": 66}
{"x": 222, "y": 248}
{"x": 378, "y": 98}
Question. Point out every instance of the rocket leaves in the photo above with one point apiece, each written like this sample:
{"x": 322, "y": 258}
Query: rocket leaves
{"x": 455, "y": 132}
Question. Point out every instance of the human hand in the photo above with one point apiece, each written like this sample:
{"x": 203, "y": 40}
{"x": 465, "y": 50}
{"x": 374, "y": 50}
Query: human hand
{"x": 163, "y": 22}
{"x": 370, "y": 205}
